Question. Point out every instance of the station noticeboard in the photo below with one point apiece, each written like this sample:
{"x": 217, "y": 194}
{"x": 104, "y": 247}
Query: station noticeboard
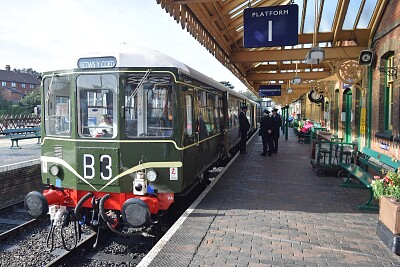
{"x": 271, "y": 26}
{"x": 269, "y": 90}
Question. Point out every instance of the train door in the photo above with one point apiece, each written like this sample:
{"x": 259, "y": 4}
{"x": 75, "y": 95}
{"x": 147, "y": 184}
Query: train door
{"x": 190, "y": 138}
{"x": 201, "y": 127}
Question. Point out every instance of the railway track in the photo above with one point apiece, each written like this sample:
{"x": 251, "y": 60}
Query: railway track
{"x": 13, "y": 220}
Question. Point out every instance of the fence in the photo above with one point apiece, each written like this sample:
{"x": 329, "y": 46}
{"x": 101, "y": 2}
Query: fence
{"x": 21, "y": 121}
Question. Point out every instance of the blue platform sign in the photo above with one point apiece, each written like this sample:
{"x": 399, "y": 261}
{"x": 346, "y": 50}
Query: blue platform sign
{"x": 269, "y": 90}
{"x": 271, "y": 26}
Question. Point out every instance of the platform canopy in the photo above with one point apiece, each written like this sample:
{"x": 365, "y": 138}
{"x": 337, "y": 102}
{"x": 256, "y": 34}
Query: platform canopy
{"x": 342, "y": 28}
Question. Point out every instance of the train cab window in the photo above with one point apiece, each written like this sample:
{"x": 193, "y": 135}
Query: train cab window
{"x": 97, "y": 104}
{"x": 148, "y": 106}
{"x": 57, "y": 105}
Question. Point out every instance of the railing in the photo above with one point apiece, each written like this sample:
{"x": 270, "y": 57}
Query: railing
{"x": 21, "y": 121}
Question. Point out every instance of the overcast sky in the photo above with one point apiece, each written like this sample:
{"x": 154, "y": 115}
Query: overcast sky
{"x": 42, "y": 34}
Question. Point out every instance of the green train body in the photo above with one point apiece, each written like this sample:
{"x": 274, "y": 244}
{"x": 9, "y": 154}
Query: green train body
{"x": 128, "y": 129}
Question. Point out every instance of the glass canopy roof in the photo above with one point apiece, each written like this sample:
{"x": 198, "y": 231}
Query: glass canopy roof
{"x": 344, "y": 28}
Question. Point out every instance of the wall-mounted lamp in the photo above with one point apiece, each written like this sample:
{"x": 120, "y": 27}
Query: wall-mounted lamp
{"x": 389, "y": 71}
{"x": 289, "y": 90}
{"x": 315, "y": 55}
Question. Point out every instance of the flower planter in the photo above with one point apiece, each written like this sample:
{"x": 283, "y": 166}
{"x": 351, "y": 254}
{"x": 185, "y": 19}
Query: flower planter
{"x": 389, "y": 214}
{"x": 389, "y": 223}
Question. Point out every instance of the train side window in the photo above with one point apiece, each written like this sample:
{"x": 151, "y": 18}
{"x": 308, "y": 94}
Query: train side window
{"x": 189, "y": 115}
{"x": 57, "y": 107}
{"x": 148, "y": 105}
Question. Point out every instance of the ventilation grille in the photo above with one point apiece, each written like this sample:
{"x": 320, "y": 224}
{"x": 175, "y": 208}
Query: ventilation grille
{"x": 58, "y": 152}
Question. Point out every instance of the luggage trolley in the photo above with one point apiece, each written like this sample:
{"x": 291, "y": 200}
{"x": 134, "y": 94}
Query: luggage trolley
{"x": 330, "y": 153}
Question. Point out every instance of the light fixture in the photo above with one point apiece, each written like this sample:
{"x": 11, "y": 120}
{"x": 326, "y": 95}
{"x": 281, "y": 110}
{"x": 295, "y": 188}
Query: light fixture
{"x": 296, "y": 79}
{"x": 151, "y": 175}
{"x": 289, "y": 89}
{"x": 316, "y": 53}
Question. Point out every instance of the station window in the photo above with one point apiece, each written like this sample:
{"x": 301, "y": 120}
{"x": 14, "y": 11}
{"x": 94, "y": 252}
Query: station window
{"x": 3, "y": 83}
{"x": 23, "y": 85}
{"x": 13, "y": 84}
{"x": 389, "y": 94}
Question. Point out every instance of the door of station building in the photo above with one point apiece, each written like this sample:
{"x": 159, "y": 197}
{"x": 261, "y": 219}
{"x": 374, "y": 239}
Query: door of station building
{"x": 348, "y": 116}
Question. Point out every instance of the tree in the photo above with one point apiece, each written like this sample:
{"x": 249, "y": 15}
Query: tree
{"x": 29, "y": 101}
{"x": 227, "y": 84}
{"x": 250, "y": 95}
{"x": 28, "y": 70}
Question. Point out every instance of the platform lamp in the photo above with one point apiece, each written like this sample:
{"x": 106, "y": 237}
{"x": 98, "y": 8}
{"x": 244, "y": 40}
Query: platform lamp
{"x": 289, "y": 90}
{"x": 296, "y": 79}
{"x": 316, "y": 53}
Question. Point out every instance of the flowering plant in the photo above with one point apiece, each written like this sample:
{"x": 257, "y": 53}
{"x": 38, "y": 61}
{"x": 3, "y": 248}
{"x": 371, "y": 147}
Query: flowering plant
{"x": 388, "y": 186}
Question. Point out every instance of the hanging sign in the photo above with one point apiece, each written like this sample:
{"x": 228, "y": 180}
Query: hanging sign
{"x": 269, "y": 90}
{"x": 271, "y": 26}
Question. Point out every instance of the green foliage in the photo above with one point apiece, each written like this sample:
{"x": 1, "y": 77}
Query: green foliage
{"x": 388, "y": 186}
{"x": 29, "y": 101}
{"x": 24, "y": 107}
{"x": 228, "y": 84}
{"x": 250, "y": 95}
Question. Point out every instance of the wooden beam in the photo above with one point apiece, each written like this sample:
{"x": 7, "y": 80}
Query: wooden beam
{"x": 184, "y": 2}
{"x": 348, "y": 52}
{"x": 286, "y": 76}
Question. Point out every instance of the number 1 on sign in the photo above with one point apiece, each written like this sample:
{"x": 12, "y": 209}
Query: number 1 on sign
{"x": 270, "y": 31}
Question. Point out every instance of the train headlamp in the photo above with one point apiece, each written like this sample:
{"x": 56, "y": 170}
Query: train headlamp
{"x": 151, "y": 175}
{"x": 54, "y": 170}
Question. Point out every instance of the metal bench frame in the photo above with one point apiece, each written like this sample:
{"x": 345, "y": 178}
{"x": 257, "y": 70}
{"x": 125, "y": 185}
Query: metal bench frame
{"x": 374, "y": 160}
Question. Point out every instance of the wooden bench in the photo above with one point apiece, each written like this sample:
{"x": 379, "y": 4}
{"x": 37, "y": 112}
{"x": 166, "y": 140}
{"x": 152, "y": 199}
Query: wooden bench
{"x": 22, "y": 133}
{"x": 371, "y": 159}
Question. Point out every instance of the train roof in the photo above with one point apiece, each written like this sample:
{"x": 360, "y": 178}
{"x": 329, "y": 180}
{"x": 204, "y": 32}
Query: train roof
{"x": 128, "y": 56}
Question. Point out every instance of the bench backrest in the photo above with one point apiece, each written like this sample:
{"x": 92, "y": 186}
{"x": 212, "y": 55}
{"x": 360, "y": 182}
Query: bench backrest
{"x": 381, "y": 160}
{"x": 22, "y": 130}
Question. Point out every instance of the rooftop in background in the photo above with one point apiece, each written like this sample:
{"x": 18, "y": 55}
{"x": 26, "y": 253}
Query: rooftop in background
{"x": 9, "y": 75}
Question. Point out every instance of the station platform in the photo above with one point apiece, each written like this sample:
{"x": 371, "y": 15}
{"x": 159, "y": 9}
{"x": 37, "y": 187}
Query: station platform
{"x": 13, "y": 158}
{"x": 274, "y": 211}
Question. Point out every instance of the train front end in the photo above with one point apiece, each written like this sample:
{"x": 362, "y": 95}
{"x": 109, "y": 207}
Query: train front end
{"x": 109, "y": 145}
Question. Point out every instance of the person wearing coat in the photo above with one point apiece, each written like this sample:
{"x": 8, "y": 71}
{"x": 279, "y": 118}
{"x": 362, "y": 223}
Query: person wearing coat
{"x": 275, "y": 130}
{"x": 266, "y": 126}
{"x": 244, "y": 126}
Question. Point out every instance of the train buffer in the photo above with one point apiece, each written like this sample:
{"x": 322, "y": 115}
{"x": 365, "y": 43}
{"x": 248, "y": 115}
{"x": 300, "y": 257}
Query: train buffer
{"x": 22, "y": 133}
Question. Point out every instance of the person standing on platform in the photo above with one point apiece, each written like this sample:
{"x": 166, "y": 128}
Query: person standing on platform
{"x": 275, "y": 130}
{"x": 266, "y": 126}
{"x": 244, "y": 127}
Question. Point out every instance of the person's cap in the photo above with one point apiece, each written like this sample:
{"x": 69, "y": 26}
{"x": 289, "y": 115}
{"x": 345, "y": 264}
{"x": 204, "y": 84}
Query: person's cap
{"x": 244, "y": 107}
{"x": 275, "y": 109}
{"x": 266, "y": 111}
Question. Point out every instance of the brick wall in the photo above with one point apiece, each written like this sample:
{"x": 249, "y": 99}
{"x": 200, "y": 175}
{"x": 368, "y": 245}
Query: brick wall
{"x": 16, "y": 183}
{"x": 386, "y": 39}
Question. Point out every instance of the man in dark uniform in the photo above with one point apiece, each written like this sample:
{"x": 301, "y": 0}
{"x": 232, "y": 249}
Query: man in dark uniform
{"x": 275, "y": 130}
{"x": 266, "y": 126}
{"x": 244, "y": 127}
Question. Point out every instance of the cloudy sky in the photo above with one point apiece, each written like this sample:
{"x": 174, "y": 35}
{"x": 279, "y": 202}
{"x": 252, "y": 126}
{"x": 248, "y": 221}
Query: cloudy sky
{"x": 42, "y": 34}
